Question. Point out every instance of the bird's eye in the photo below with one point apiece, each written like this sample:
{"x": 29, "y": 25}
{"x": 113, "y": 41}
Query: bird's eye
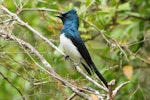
{"x": 66, "y": 15}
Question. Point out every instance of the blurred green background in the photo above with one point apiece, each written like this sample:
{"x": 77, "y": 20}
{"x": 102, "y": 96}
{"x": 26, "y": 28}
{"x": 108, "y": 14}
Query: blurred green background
{"x": 125, "y": 22}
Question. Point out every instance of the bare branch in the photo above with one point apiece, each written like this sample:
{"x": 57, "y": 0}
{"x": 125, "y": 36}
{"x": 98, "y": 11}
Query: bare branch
{"x": 112, "y": 93}
{"x": 72, "y": 96}
{"x": 110, "y": 86}
{"x": 95, "y": 92}
{"x": 139, "y": 17}
{"x": 118, "y": 88}
{"x": 37, "y": 9}
{"x": 134, "y": 54}
{"x": 5, "y": 78}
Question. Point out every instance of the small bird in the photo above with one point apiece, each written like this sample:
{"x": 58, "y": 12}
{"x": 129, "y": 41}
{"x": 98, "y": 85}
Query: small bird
{"x": 73, "y": 45}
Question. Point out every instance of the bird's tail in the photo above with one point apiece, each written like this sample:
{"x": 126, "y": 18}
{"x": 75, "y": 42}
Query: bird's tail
{"x": 99, "y": 75}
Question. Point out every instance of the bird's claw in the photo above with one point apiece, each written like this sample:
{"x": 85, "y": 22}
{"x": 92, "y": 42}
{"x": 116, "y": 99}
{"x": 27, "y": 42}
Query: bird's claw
{"x": 66, "y": 57}
{"x": 77, "y": 64}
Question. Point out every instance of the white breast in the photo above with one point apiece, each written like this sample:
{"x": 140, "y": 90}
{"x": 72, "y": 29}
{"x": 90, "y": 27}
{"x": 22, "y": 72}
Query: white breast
{"x": 69, "y": 48}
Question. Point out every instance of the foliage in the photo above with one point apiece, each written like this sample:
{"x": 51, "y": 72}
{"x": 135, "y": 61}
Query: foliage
{"x": 121, "y": 52}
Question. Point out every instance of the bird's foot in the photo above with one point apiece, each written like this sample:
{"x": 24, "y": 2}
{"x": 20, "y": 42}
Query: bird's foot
{"x": 66, "y": 57}
{"x": 77, "y": 64}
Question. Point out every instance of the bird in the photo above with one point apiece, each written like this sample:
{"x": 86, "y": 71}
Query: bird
{"x": 73, "y": 45}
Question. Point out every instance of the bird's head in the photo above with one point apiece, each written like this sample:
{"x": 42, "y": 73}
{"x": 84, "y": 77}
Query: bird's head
{"x": 69, "y": 17}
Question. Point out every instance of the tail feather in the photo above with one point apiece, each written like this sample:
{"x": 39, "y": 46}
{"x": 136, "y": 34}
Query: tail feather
{"x": 87, "y": 69}
{"x": 99, "y": 75}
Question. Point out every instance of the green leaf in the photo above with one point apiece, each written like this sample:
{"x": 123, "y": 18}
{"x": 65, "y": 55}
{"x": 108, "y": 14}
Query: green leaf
{"x": 125, "y": 6}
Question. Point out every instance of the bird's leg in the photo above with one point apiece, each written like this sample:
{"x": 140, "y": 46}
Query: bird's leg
{"x": 66, "y": 57}
{"x": 77, "y": 64}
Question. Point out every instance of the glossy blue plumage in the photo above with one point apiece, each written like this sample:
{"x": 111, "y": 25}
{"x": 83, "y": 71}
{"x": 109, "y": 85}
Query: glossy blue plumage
{"x": 73, "y": 45}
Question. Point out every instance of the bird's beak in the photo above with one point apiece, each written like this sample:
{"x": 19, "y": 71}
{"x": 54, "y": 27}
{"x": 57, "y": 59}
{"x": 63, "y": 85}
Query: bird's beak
{"x": 59, "y": 15}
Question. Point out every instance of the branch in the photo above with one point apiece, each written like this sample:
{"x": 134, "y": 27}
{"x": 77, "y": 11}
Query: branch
{"x": 133, "y": 54}
{"x": 5, "y": 78}
{"x": 72, "y": 96}
{"x": 118, "y": 88}
{"x": 139, "y": 17}
{"x": 112, "y": 93}
{"x": 49, "y": 70}
{"x": 36, "y": 9}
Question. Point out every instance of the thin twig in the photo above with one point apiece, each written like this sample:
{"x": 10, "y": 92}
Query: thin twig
{"x": 133, "y": 54}
{"x": 118, "y": 88}
{"x": 37, "y": 9}
{"x": 139, "y": 17}
{"x": 72, "y": 96}
{"x": 5, "y": 78}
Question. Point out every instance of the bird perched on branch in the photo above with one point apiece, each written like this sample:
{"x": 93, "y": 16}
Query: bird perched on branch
{"x": 73, "y": 45}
